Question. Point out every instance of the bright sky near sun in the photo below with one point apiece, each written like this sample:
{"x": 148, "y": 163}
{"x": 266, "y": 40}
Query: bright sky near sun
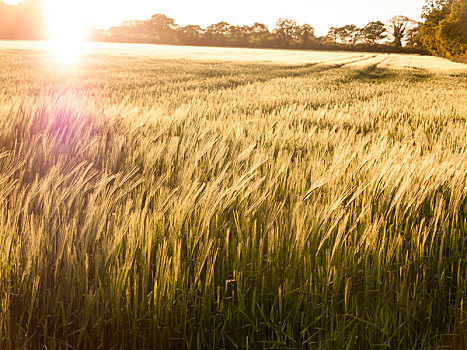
{"x": 321, "y": 14}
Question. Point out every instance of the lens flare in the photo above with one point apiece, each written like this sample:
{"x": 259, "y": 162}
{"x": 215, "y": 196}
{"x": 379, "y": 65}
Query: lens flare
{"x": 66, "y": 21}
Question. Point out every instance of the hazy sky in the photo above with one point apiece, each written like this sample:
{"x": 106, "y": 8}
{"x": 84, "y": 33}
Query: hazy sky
{"x": 320, "y": 14}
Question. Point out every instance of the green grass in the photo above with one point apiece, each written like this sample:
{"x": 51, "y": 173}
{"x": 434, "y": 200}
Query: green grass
{"x": 194, "y": 204}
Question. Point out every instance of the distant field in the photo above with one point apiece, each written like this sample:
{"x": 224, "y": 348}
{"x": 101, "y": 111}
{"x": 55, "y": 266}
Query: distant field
{"x": 296, "y": 57}
{"x": 208, "y": 198}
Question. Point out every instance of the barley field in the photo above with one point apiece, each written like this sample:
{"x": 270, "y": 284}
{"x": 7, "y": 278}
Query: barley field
{"x": 157, "y": 197}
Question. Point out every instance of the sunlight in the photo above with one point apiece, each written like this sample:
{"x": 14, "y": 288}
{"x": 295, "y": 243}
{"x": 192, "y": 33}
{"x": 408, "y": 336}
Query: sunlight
{"x": 66, "y": 21}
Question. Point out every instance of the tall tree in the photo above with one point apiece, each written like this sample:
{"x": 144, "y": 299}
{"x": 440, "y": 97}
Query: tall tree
{"x": 398, "y": 27}
{"x": 434, "y": 12}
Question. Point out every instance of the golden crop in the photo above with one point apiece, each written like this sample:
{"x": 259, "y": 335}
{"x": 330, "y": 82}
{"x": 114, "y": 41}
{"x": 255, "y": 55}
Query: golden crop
{"x": 151, "y": 202}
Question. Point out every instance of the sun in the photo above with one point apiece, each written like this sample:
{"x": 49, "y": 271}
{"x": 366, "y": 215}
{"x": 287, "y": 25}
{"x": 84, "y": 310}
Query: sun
{"x": 66, "y": 23}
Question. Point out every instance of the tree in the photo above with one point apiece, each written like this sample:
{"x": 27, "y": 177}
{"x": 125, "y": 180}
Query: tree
{"x": 443, "y": 31}
{"x": 412, "y": 36}
{"x": 348, "y": 34}
{"x": 353, "y": 33}
{"x": 259, "y": 34}
{"x": 398, "y": 27}
{"x": 332, "y": 35}
{"x": 454, "y": 28}
{"x": 307, "y": 35}
{"x": 286, "y": 31}
{"x": 240, "y": 35}
{"x": 191, "y": 34}
{"x": 373, "y": 32}
{"x": 161, "y": 28}
{"x": 435, "y": 5}
{"x": 259, "y": 28}
{"x": 434, "y": 12}
{"x": 130, "y": 31}
{"x": 161, "y": 22}
{"x": 217, "y": 33}
{"x": 341, "y": 35}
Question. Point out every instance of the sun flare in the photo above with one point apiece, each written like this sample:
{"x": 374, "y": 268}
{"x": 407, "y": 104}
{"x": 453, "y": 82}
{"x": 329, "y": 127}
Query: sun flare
{"x": 66, "y": 22}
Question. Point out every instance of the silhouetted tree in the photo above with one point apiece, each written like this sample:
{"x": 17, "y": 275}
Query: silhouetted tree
{"x": 348, "y": 34}
{"x": 259, "y": 35}
{"x": 398, "y": 27}
{"x": 373, "y": 33}
{"x": 332, "y": 35}
{"x": 239, "y": 35}
{"x": 306, "y": 34}
{"x": 161, "y": 28}
{"x": 130, "y": 31}
{"x": 285, "y": 31}
{"x": 191, "y": 34}
{"x": 354, "y": 33}
{"x": 217, "y": 33}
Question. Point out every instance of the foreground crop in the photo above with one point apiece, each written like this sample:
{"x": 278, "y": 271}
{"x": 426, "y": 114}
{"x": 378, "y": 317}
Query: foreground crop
{"x": 218, "y": 205}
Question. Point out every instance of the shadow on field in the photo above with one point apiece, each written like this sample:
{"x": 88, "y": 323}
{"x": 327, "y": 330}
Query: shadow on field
{"x": 215, "y": 76}
{"x": 375, "y": 74}
{"x": 250, "y": 74}
{"x": 299, "y": 67}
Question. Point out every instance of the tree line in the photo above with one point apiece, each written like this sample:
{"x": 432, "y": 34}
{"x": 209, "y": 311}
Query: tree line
{"x": 397, "y": 35}
{"x": 443, "y": 31}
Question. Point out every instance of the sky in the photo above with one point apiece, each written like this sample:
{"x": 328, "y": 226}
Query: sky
{"x": 320, "y": 14}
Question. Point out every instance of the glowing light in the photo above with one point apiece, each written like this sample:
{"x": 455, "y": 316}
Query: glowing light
{"x": 66, "y": 21}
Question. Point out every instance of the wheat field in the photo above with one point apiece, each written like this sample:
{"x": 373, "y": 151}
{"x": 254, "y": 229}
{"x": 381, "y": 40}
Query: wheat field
{"x": 219, "y": 202}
